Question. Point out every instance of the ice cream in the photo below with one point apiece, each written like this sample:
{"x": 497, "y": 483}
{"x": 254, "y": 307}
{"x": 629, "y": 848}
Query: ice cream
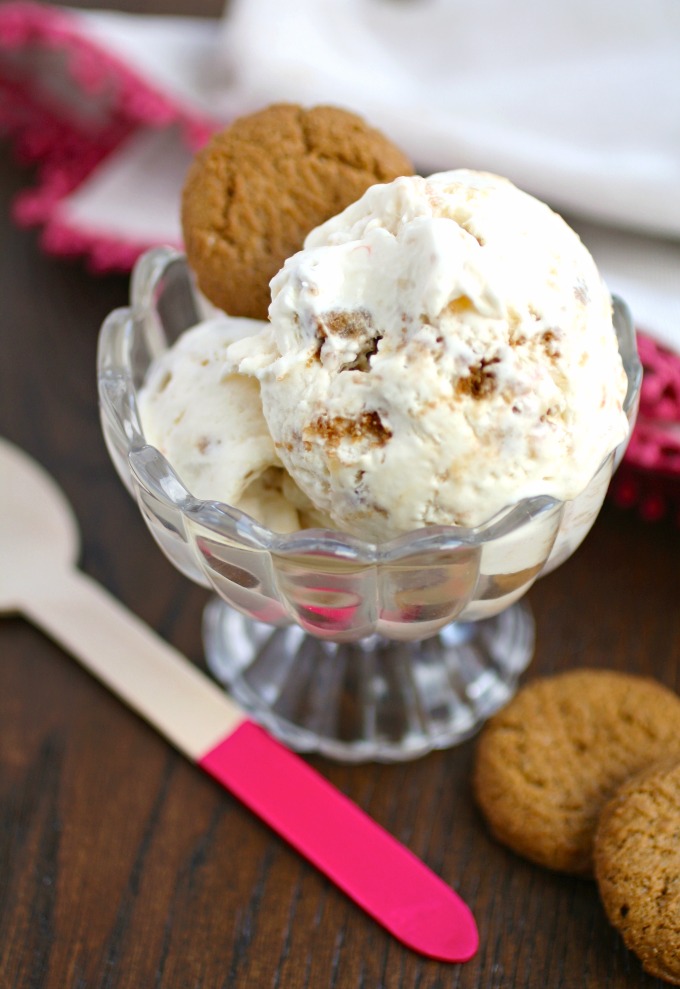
{"x": 439, "y": 350}
{"x": 207, "y": 420}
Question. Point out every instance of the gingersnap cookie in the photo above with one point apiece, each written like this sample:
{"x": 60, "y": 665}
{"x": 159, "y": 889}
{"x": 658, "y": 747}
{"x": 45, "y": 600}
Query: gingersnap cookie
{"x": 255, "y": 191}
{"x": 637, "y": 866}
{"x": 548, "y": 762}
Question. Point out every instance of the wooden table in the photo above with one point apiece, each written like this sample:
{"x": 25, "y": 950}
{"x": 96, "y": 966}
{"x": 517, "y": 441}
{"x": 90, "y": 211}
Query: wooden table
{"x": 122, "y": 866}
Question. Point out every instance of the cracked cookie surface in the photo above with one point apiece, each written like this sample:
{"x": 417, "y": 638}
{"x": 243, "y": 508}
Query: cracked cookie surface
{"x": 637, "y": 866}
{"x": 255, "y": 191}
{"x": 549, "y": 761}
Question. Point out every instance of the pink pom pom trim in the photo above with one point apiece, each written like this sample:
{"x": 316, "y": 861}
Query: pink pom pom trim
{"x": 649, "y": 477}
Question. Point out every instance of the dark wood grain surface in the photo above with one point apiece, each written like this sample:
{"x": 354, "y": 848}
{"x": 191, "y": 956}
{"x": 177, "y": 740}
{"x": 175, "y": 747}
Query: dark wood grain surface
{"x": 124, "y": 867}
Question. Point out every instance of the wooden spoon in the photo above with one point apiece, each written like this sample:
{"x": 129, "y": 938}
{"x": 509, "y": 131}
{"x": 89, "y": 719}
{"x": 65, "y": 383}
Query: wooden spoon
{"x": 39, "y": 545}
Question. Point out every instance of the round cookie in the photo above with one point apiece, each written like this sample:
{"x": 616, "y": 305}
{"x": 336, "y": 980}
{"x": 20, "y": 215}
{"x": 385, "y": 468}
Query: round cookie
{"x": 637, "y": 866}
{"x": 547, "y": 763}
{"x": 255, "y": 191}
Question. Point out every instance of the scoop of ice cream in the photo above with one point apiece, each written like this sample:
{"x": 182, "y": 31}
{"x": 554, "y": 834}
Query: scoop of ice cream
{"x": 206, "y": 418}
{"x": 442, "y": 348}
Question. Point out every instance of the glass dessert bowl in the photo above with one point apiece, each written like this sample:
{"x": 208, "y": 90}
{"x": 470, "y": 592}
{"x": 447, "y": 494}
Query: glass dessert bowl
{"x": 353, "y": 649}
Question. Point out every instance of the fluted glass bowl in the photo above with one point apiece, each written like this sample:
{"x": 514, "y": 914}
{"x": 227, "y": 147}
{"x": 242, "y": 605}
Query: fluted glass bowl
{"x": 357, "y": 650}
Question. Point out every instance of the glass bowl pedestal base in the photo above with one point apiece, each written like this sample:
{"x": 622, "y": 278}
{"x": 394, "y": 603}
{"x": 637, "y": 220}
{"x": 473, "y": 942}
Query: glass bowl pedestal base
{"x": 373, "y": 699}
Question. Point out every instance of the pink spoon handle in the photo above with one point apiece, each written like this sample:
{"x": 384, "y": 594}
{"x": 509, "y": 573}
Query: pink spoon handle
{"x": 379, "y": 873}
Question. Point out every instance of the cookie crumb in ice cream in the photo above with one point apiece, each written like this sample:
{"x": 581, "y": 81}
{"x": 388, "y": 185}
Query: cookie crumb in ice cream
{"x": 334, "y": 430}
{"x": 258, "y": 188}
{"x": 480, "y": 381}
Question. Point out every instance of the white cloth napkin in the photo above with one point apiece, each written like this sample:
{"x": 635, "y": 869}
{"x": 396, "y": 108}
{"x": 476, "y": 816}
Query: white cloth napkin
{"x": 578, "y": 102}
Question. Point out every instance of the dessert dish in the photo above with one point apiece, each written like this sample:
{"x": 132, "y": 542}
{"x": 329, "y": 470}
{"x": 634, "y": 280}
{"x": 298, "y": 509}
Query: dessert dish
{"x": 258, "y": 187}
{"x": 548, "y": 762}
{"x": 440, "y": 350}
{"x": 337, "y": 531}
{"x": 637, "y": 866}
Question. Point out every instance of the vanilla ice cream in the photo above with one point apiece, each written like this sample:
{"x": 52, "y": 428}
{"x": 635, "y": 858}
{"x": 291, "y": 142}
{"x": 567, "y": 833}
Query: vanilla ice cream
{"x": 206, "y": 419}
{"x": 439, "y": 350}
